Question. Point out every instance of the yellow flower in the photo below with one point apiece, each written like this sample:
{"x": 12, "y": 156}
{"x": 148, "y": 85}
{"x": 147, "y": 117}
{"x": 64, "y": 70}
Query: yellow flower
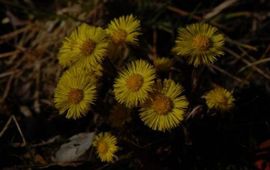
{"x": 124, "y": 30}
{"x": 74, "y": 93}
{"x": 87, "y": 44}
{"x": 166, "y": 107}
{"x": 94, "y": 71}
{"x": 162, "y": 63}
{"x": 106, "y": 145}
{"x": 119, "y": 115}
{"x": 134, "y": 84}
{"x": 220, "y": 99}
{"x": 199, "y": 44}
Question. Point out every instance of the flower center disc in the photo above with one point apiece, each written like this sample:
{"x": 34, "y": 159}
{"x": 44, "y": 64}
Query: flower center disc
{"x": 222, "y": 99}
{"x": 75, "y": 96}
{"x": 119, "y": 36}
{"x": 162, "y": 104}
{"x": 102, "y": 147}
{"x": 88, "y": 47}
{"x": 134, "y": 82}
{"x": 201, "y": 42}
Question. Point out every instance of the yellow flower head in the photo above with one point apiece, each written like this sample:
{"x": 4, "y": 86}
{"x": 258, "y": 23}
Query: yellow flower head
{"x": 106, "y": 146}
{"x": 119, "y": 115}
{"x": 199, "y": 43}
{"x": 220, "y": 99}
{"x": 87, "y": 44}
{"x": 134, "y": 84}
{"x": 162, "y": 63}
{"x": 166, "y": 108}
{"x": 124, "y": 30}
{"x": 94, "y": 71}
{"x": 74, "y": 93}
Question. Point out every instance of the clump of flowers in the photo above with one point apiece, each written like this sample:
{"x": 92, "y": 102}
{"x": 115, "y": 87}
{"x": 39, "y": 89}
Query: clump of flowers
{"x": 136, "y": 85}
{"x": 219, "y": 99}
{"x": 106, "y": 146}
{"x": 199, "y": 43}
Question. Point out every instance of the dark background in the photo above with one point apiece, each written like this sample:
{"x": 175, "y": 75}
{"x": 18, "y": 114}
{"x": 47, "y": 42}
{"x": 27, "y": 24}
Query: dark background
{"x": 208, "y": 140}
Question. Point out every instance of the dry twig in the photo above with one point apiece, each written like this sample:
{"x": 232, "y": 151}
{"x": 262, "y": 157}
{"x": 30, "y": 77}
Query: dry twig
{"x": 254, "y": 67}
{"x": 220, "y": 8}
{"x": 228, "y": 74}
{"x": 183, "y": 13}
{"x": 13, "y": 118}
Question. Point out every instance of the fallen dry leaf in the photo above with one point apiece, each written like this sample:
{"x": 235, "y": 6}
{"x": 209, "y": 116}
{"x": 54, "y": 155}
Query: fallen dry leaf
{"x": 74, "y": 149}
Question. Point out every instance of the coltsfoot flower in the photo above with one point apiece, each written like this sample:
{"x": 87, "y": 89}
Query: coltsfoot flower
{"x": 106, "y": 146}
{"x": 166, "y": 107}
{"x": 94, "y": 71}
{"x": 134, "y": 84}
{"x": 124, "y": 30}
{"x": 87, "y": 44}
{"x": 75, "y": 92}
{"x": 162, "y": 63}
{"x": 219, "y": 99}
{"x": 199, "y": 43}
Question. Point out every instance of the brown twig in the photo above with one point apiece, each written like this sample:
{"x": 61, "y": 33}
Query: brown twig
{"x": 12, "y": 117}
{"x": 255, "y": 63}
{"x": 8, "y": 73}
{"x": 154, "y": 43}
{"x": 8, "y": 54}
{"x": 183, "y": 13}
{"x": 228, "y": 74}
{"x": 48, "y": 142}
{"x": 219, "y": 8}
{"x": 254, "y": 67}
{"x": 8, "y": 36}
{"x": 7, "y": 88}
{"x": 246, "y": 46}
{"x": 195, "y": 111}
